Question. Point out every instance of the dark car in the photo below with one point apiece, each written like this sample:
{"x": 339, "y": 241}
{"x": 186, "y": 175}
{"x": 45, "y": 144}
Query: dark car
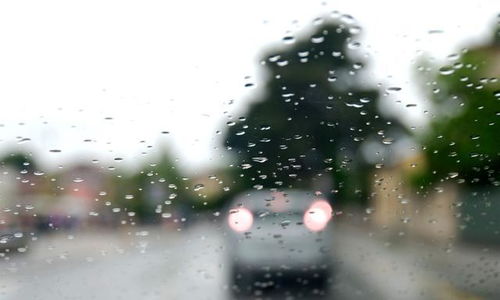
{"x": 279, "y": 242}
{"x": 13, "y": 233}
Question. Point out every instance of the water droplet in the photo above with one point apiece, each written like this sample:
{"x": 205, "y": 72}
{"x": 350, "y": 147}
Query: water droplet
{"x": 282, "y": 63}
{"x": 439, "y": 189}
{"x": 357, "y": 66}
{"x": 354, "y": 45}
{"x": 355, "y": 30}
{"x": 336, "y": 53}
{"x": 55, "y": 150}
{"x": 446, "y": 70}
{"x": 274, "y": 58}
{"x": 317, "y": 39}
{"x": 198, "y": 187}
{"x": 285, "y": 223}
{"x": 393, "y": 89}
{"x": 435, "y": 31}
{"x": 129, "y": 197}
{"x": 355, "y": 105}
{"x": 288, "y": 39}
{"x": 24, "y": 140}
{"x": 259, "y": 159}
{"x": 264, "y": 214}
{"x": 387, "y": 141}
{"x": 78, "y": 180}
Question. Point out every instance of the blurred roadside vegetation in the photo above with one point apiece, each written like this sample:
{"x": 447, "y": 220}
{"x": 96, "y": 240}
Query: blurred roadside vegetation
{"x": 462, "y": 143}
{"x": 153, "y": 193}
{"x": 461, "y": 146}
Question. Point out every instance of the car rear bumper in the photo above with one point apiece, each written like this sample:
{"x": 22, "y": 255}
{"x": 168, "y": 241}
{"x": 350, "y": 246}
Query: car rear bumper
{"x": 314, "y": 278}
{"x": 9, "y": 241}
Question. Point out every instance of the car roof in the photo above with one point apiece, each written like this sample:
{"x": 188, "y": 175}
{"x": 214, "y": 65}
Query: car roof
{"x": 277, "y": 201}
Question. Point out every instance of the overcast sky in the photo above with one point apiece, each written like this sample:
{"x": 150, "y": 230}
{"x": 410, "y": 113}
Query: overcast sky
{"x": 119, "y": 73}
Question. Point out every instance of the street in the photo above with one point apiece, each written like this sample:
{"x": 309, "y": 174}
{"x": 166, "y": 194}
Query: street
{"x": 155, "y": 263}
{"x": 114, "y": 265}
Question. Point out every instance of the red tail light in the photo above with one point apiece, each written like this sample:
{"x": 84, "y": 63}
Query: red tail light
{"x": 317, "y": 215}
{"x": 240, "y": 219}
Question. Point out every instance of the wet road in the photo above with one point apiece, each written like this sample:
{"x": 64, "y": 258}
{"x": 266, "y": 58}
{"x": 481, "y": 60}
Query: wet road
{"x": 146, "y": 264}
{"x": 156, "y": 263}
{"x": 129, "y": 264}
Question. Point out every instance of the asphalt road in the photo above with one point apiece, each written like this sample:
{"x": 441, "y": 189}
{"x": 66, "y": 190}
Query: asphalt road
{"x": 154, "y": 263}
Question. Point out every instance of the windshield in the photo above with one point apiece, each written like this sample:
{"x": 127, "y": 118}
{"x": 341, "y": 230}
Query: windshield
{"x": 249, "y": 150}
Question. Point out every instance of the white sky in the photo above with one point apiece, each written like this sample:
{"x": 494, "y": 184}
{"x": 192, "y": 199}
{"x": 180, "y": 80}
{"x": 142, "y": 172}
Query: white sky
{"x": 156, "y": 66}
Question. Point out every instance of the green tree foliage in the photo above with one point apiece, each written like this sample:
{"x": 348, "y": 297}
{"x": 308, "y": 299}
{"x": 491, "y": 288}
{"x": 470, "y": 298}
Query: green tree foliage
{"x": 19, "y": 161}
{"x": 313, "y": 117}
{"x": 464, "y": 138}
{"x": 154, "y": 189}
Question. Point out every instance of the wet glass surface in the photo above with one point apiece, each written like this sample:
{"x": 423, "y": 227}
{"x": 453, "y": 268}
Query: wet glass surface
{"x": 264, "y": 150}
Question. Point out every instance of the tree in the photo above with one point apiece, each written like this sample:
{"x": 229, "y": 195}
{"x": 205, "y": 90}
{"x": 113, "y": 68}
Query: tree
{"x": 314, "y": 117}
{"x": 154, "y": 189}
{"x": 19, "y": 161}
{"x": 463, "y": 140}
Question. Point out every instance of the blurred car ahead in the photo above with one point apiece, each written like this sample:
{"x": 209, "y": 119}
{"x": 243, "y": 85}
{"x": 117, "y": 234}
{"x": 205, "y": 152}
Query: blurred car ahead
{"x": 279, "y": 242}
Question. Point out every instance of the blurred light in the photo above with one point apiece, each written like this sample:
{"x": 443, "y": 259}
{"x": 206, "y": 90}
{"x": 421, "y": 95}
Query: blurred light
{"x": 317, "y": 216}
{"x": 240, "y": 219}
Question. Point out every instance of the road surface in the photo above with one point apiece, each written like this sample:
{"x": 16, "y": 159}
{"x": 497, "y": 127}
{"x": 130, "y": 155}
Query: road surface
{"x": 155, "y": 263}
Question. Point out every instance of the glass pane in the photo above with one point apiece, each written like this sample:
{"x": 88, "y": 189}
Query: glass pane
{"x": 260, "y": 150}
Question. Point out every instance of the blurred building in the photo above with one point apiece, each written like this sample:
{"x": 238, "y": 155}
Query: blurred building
{"x": 77, "y": 203}
{"x": 397, "y": 208}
